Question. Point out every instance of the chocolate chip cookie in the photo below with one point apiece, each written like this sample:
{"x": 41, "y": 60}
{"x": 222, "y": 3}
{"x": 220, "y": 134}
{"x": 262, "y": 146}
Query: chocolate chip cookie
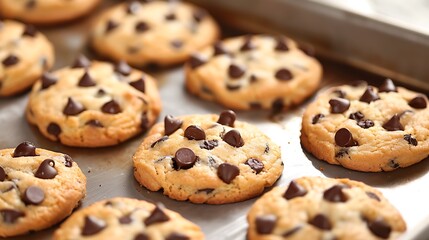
{"x": 44, "y": 11}
{"x": 38, "y": 188}
{"x": 323, "y": 208}
{"x": 25, "y": 54}
{"x": 153, "y": 32}
{"x": 253, "y": 72}
{"x": 93, "y": 104}
{"x": 125, "y": 218}
{"x": 366, "y": 128}
{"x": 207, "y": 159}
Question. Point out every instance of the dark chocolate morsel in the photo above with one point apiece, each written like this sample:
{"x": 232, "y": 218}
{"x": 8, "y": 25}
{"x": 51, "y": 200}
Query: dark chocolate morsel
{"x": 247, "y": 44}
{"x": 277, "y": 106}
{"x": 236, "y": 71}
{"x": 144, "y": 122}
{"x": 410, "y": 140}
{"x": 170, "y": 16}
{"x": 93, "y": 226}
{"x": 68, "y": 161}
{"x": 387, "y": 86}
{"x": 335, "y": 194}
{"x": 227, "y": 118}
{"x": 365, "y": 123}
{"x": 316, "y": 118}
{"x": 265, "y": 224}
{"x": 233, "y": 87}
{"x": 46, "y": 170}
{"x": 209, "y": 144}
{"x": 10, "y": 216}
{"x": 196, "y": 61}
{"x": 380, "y": 228}
{"x": 418, "y": 102}
{"x": 233, "y": 138}
{"x": 123, "y": 68}
{"x": 177, "y": 236}
{"x": 48, "y": 79}
{"x": 110, "y": 25}
{"x": 139, "y": 84}
{"x": 199, "y": 15}
{"x": 141, "y": 236}
{"x": 339, "y": 105}
{"x": 29, "y": 31}
{"x": 321, "y": 221}
{"x": 86, "y": 80}
{"x": 2, "y": 174}
{"x": 342, "y": 152}
{"x": 255, "y": 164}
{"x": 73, "y": 107}
{"x": 206, "y": 190}
{"x": 373, "y": 196}
{"x": 291, "y": 231}
{"x": 344, "y": 138}
{"x": 81, "y": 62}
{"x": 171, "y": 124}
{"x": 162, "y": 139}
{"x": 369, "y": 95}
{"x": 195, "y": 133}
{"x": 33, "y": 195}
{"x": 94, "y": 123}
{"x": 394, "y": 123}
{"x": 111, "y": 107}
{"x": 54, "y": 129}
{"x": 141, "y": 27}
{"x": 281, "y": 45}
{"x": 227, "y": 172}
{"x": 156, "y": 216}
{"x": 340, "y": 93}
{"x": 218, "y": 49}
{"x": 25, "y": 149}
{"x": 284, "y": 74}
{"x": 10, "y": 60}
{"x": 176, "y": 44}
{"x": 294, "y": 190}
{"x": 356, "y": 116}
{"x": 393, "y": 164}
{"x": 184, "y": 158}
{"x": 126, "y": 219}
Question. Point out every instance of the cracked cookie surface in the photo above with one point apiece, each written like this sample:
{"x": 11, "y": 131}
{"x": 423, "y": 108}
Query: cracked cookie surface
{"x": 207, "y": 159}
{"x": 253, "y": 72}
{"x": 93, "y": 104}
{"x": 38, "y": 188}
{"x": 366, "y": 128}
{"x": 323, "y": 208}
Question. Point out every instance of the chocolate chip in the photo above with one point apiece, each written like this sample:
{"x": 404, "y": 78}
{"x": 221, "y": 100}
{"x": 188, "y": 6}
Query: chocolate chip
{"x": 255, "y": 164}
{"x": 267, "y": 148}
{"x": 73, "y": 108}
{"x": 344, "y": 138}
{"x": 369, "y": 95}
{"x": 93, "y": 226}
{"x": 233, "y": 138}
{"x": 141, "y": 27}
{"x": 339, "y": 93}
{"x": 196, "y": 61}
{"x": 10, "y": 216}
{"x": 157, "y": 216}
{"x": 176, "y": 44}
{"x": 141, "y": 236}
{"x": 209, "y": 144}
{"x": 291, "y": 231}
{"x": 171, "y": 124}
{"x": 10, "y": 60}
{"x": 255, "y": 105}
{"x": 29, "y": 31}
{"x": 356, "y": 116}
{"x": 111, "y": 107}
{"x": 110, "y": 25}
{"x": 393, "y": 164}
{"x": 125, "y": 219}
{"x": 100, "y": 93}
{"x": 218, "y": 49}
{"x": 321, "y": 221}
{"x": 86, "y": 80}
{"x": 253, "y": 78}
{"x": 339, "y": 105}
{"x": 46, "y": 170}
{"x": 133, "y": 7}
{"x": 394, "y": 123}
{"x": 373, "y": 196}
{"x": 410, "y": 140}
{"x": 177, "y": 236}
{"x": 247, "y": 45}
{"x": 294, "y": 190}
{"x": 48, "y": 79}
{"x": 418, "y": 102}
{"x": 281, "y": 45}
{"x": 139, "y": 84}
{"x": 195, "y": 133}
{"x": 144, "y": 121}
{"x": 277, "y": 106}
{"x": 81, "y": 62}
{"x": 317, "y": 117}
{"x": 387, "y": 86}
{"x": 265, "y": 224}
{"x": 25, "y": 149}
{"x": 33, "y": 195}
{"x": 170, "y": 16}
{"x": 94, "y": 123}
{"x": 184, "y": 158}
{"x": 227, "y": 172}
{"x": 342, "y": 152}
{"x": 335, "y": 194}
{"x": 365, "y": 123}
{"x": 123, "y": 68}
{"x": 205, "y": 190}
{"x": 68, "y": 161}
{"x": 380, "y": 228}
{"x": 2, "y": 174}
{"x": 283, "y": 74}
{"x": 233, "y": 87}
{"x": 235, "y": 71}
{"x": 162, "y": 139}
{"x": 227, "y": 118}
{"x": 199, "y": 15}
{"x": 54, "y": 129}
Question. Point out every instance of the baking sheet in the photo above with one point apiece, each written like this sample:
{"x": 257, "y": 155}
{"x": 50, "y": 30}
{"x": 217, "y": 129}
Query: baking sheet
{"x": 109, "y": 170}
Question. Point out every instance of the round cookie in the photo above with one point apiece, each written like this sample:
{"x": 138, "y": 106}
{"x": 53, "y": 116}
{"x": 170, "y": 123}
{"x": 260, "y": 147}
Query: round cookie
{"x": 207, "y": 159}
{"x": 38, "y": 188}
{"x": 253, "y": 72}
{"x": 155, "y": 32}
{"x": 323, "y": 208}
{"x": 125, "y": 218}
{"x": 45, "y": 11}
{"x": 366, "y": 128}
{"x": 25, "y": 54}
{"x": 93, "y": 104}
